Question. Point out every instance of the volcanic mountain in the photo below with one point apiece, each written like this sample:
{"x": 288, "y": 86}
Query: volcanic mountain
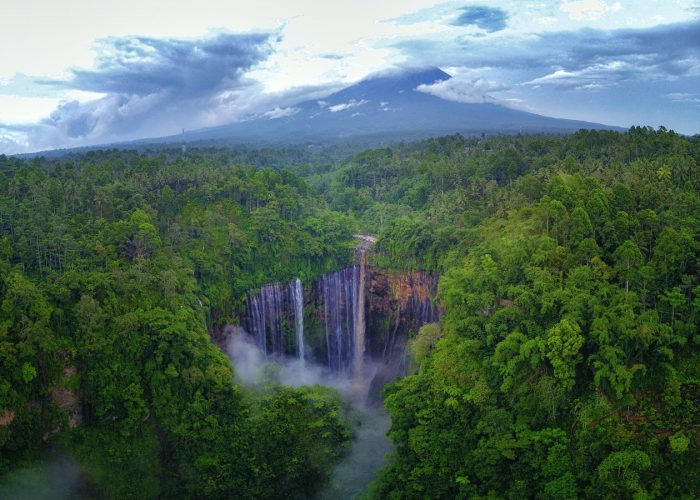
{"x": 381, "y": 106}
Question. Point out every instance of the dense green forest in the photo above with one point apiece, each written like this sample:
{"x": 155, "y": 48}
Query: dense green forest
{"x": 567, "y": 363}
{"x": 568, "y": 360}
{"x": 111, "y": 266}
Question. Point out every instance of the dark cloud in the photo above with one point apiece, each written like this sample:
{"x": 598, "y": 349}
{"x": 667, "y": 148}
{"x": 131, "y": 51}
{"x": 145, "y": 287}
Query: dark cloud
{"x": 674, "y": 49}
{"x": 487, "y": 18}
{"x": 154, "y": 87}
{"x": 668, "y": 51}
{"x": 333, "y": 57}
{"x": 142, "y": 66}
{"x": 612, "y": 76}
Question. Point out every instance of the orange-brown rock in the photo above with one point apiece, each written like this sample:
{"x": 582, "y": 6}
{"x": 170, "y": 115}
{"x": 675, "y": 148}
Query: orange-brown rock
{"x": 7, "y": 416}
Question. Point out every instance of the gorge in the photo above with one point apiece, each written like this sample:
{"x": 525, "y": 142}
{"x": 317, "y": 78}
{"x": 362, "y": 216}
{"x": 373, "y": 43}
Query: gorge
{"x": 344, "y": 318}
{"x": 347, "y": 329}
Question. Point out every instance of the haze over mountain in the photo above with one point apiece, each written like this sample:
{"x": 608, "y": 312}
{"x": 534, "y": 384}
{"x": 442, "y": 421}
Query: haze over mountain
{"x": 402, "y": 104}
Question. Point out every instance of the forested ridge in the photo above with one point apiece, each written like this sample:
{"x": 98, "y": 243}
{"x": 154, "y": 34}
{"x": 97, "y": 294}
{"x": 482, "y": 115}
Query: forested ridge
{"x": 567, "y": 363}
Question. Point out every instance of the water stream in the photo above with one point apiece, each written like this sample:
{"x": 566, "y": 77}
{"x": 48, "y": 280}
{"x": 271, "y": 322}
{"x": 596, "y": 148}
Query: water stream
{"x": 299, "y": 318}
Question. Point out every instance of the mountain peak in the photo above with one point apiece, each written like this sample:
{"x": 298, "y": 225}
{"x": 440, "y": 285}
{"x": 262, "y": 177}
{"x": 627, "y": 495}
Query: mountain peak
{"x": 385, "y": 85}
{"x": 411, "y": 78}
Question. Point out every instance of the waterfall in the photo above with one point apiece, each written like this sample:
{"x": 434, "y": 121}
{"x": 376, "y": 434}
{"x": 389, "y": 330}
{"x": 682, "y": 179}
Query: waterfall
{"x": 272, "y": 313}
{"x": 360, "y": 312}
{"x": 343, "y": 297}
{"x": 337, "y": 293}
{"x": 299, "y": 317}
{"x": 359, "y": 320}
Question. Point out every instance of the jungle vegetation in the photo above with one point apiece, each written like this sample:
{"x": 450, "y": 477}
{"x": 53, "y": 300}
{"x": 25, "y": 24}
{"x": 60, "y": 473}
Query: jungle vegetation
{"x": 567, "y": 362}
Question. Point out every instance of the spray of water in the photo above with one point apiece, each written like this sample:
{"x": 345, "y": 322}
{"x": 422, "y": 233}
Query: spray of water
{"x": 56, "y": 477}
{"x": 370, "y": 444}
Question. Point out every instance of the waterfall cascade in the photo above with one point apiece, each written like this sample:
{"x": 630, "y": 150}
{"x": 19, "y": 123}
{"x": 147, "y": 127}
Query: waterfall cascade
{"x": 272, "y": 313}
{"x": 299, "y": 318}
{"x": 359, "y": 313}
{"x": 359, "y": 330}
{"x": 338, "y": 298}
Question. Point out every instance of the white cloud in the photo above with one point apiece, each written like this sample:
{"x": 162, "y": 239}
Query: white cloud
{"x": 557, "y": 75}
{"x": 684, "y": 98}
{"x": 352, "y": 103}
{"x": 589, "y": 10}
{"x": 278, "y": 112}
{"x": 600, "y": 76}
{"x": 469, "y": 87}
{"x": 20, "y": 110}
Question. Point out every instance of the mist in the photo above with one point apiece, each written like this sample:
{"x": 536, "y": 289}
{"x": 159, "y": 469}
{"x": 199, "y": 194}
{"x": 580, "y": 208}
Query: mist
{"x": 367, "y": 455}
{"x": 370, "y": 445}
{"x": 56, "y": 478}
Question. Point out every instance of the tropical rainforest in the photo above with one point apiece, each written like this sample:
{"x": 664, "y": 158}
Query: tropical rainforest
{"x": 566, "y": 363}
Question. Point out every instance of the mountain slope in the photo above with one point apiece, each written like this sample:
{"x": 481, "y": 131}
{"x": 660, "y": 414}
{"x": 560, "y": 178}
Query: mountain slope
{"x": 382, "y": 105}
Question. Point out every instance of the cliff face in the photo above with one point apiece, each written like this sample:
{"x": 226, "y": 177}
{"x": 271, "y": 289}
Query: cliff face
{"x": 398, "y": 303}
{"x": 384, "y": 307}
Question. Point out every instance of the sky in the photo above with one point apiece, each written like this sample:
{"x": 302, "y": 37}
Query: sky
{"x": 85, "y": 72}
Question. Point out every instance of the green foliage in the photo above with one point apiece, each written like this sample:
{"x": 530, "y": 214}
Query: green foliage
{"x": 564, "y": 342}
{"x": 112, "y": 266}
{"x": 296, "y": 432}
{"x": 569, "y": 323}
{"x": 565, "y": 366}
{"x": 426, "y": 340}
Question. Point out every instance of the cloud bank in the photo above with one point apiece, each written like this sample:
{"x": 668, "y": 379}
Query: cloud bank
{"x": 152, "y": 86}
{"x": 471, "y": 87}
{"x": 611, "y": 61}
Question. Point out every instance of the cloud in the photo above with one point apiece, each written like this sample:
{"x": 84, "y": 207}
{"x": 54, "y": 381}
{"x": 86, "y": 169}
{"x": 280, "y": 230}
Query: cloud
{"x": 684, "y": 98}
{"x": 663, "y": 52}
{"x": 153, "y": 86}
{"x": 142, "y": 65}
{"x": 595, "y": 77}
{"x": 471, "y": 87}
{"x": 596, "y": 59}
{"x": 486, "y": 18}
{"x": 463, "y": 88}
{"x": 352, "y": 103}
{"x": 588, "y": 10}
{"x": 489, "y": 19}
{"x": 584, "y": 73}
{"x": 333, "y": 56}
{"x": 279, "y": 112}
{"x": 441, "y": 13}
